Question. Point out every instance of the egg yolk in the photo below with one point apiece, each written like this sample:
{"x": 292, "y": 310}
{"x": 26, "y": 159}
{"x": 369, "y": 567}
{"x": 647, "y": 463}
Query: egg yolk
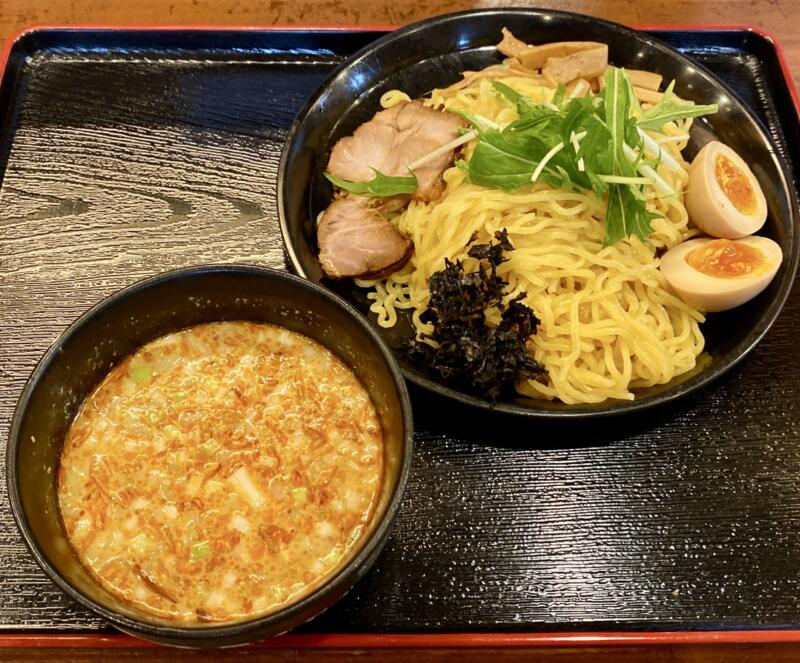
{"x": 735, "y": 185}
{"x": 724, "y": 258}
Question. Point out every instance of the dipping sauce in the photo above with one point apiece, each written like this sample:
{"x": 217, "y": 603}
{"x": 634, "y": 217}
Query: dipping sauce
{"x": 221, "y": 472}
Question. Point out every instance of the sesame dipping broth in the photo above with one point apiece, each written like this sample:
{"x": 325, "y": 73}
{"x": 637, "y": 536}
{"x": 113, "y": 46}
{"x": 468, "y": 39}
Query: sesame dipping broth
{"x": 221, "y": 472}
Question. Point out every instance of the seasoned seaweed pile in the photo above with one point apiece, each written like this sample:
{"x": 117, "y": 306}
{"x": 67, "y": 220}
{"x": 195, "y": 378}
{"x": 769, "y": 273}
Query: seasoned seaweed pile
{"x": 467, "y": 351}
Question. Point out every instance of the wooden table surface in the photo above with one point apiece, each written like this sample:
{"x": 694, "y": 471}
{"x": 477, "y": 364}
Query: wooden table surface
{"x": 778, "y": 17}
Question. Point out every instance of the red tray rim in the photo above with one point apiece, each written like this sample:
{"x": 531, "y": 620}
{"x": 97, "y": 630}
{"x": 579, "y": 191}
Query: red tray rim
{"x": 418, "y": 640}
{"x": 429, "y": 640}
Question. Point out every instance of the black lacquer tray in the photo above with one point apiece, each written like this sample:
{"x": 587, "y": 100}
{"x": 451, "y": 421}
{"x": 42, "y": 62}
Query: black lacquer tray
{"x": 126, "y": 152}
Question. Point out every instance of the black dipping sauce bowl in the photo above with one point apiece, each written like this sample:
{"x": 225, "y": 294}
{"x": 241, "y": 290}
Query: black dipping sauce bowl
{"x": 124, "y": 322}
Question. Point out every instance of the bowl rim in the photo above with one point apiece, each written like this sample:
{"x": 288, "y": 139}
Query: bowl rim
{"x": 165, "y": 632}
{"x": 612, "y": 408}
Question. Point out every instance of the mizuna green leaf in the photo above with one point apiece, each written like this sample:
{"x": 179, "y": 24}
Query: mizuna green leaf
{"x": 667, "y": 110}
{"x": 380, "y": 186}
{"x": 616, "y": 95}
{"x": 500, "y": 163}
{"x": 600, "y": 138}
{"x": 626, "y": 211}
{"x": 626, "y": 215}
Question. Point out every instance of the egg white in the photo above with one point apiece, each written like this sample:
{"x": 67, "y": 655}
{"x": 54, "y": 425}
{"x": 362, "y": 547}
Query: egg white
{"x": 709, "y": 207}
{"x": 712, "y": 293}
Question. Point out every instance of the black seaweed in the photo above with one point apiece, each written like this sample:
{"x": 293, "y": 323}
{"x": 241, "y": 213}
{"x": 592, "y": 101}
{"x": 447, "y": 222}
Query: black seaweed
{"x": 487, "y": 360}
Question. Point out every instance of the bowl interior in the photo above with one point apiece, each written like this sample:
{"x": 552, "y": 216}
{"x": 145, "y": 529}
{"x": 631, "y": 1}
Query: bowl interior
{"x": 433, "y": 54}
{"x": 126, "y": 321}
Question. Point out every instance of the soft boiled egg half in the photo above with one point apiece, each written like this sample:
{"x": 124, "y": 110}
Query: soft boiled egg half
{"x": 723, "y": 197}
{"x": 719, "y": 274}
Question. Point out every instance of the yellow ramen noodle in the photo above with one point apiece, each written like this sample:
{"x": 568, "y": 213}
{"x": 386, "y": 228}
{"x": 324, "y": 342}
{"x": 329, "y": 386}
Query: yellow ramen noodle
{"x": 221, "y": 472}
{"x": 608, "y": 322}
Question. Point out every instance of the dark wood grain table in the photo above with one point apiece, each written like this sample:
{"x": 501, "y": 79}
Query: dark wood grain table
{"x": 778, "y": 17}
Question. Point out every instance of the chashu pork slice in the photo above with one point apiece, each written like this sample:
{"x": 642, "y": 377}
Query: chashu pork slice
{"x": 395, "y": 138}
{"x": 356, "y": 240}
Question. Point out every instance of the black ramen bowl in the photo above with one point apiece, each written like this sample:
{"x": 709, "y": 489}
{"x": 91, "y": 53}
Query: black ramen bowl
{"x": 433, "y": 53}
{"x": 119, "y": 325}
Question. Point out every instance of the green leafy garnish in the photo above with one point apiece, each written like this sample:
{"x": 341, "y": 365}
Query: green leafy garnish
{"x": 141, "y": 372}
{"x": 299, "y": 495}
{"x": 560, "y": 93}
{"x": 626, "y": 212}
{"x": 200, "y": 550}
{"x": 380, "y": 186}
{"x": 617, "y": 118}
{"x": 592, "y": 143}
{"x": 506, "y": 159}
{"x": 501, "y": 160}
{"x": 529, "y": 111}
{"x": 667, "y": 110}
